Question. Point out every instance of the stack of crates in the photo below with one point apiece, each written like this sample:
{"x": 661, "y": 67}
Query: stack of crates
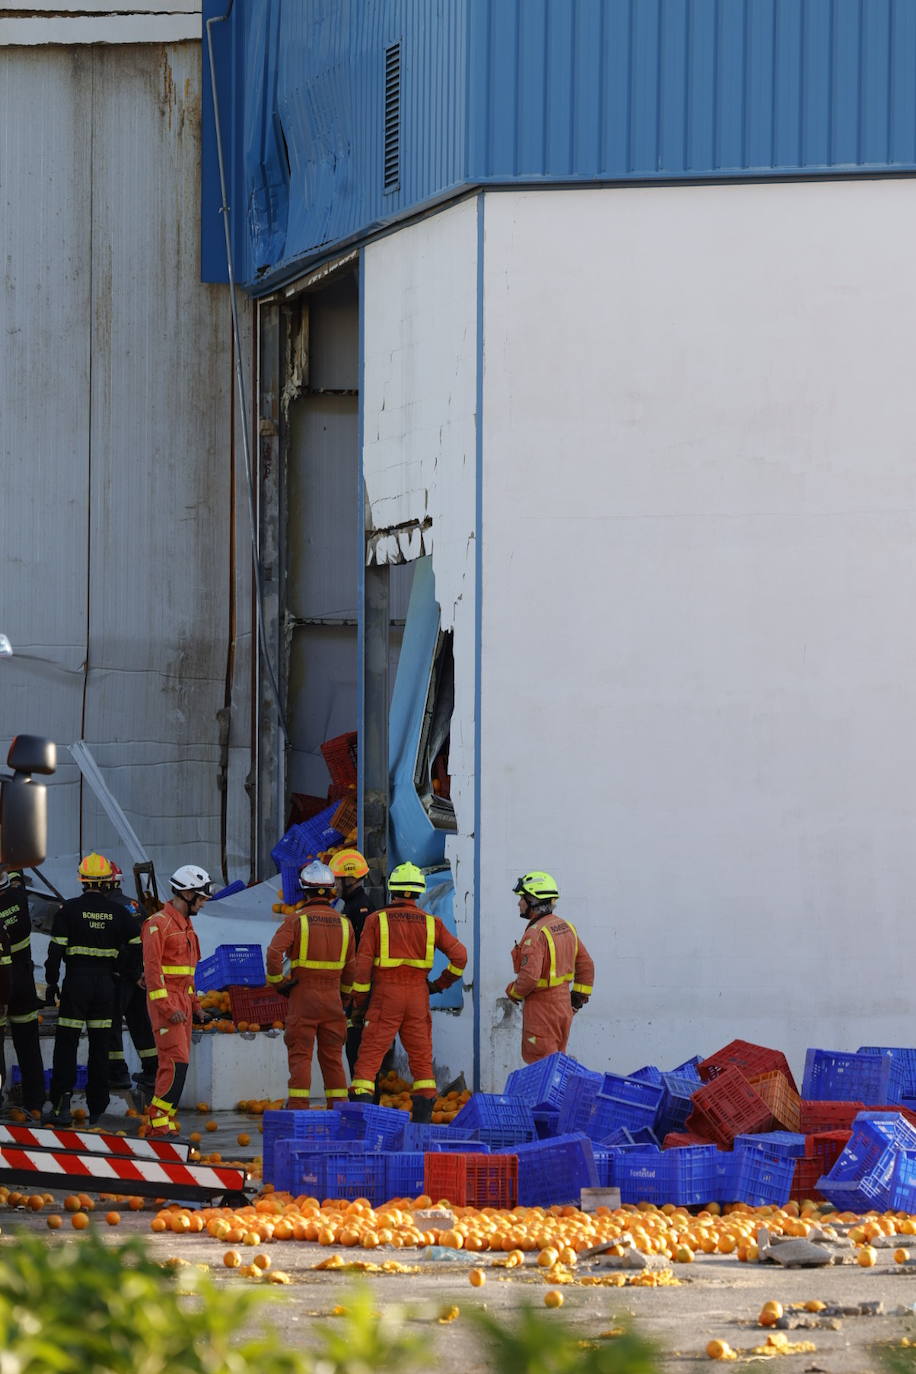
{"x": 554, "y": 1171}
{"x": 298, "y": 1126}
{"x": 472, "y": 1180}
{"x": 728, "y": 1106}
{"x": 630, "y": 1102}
{"x": 497, "y": 1119}
{"x": 862, "y": 1174}
{"x": 833, "y": 1075}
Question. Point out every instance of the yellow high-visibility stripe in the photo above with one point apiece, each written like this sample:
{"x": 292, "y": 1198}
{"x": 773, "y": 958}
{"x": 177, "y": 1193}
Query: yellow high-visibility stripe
{"x": 305, "y": 962}
{"x": 346, "y": 989}
{"x": 335, "y": 1092}
{"x": 554, "y": 979}
{"x": 70, "y": 1023}
{"x": 514, "y": 995}
{"x": 5, "y": 960}
{"x": 99, "y": 1025}
{"x": 584, "y": 988}
{"x": 176, "y": 970}
{"x": 298, "y": 1092}
{"x": 24, "y": 1018}
{"x": 161, "y": 1104}
{"x": 93, "y": 953}
{"x": 158, "y": 992}
{"x": 59, "y": 940}
{"x": 362, "y": 1085}
{"x": 361, "y": 987}
{"x": 275, "y": 977}
{"x": 384, "y": 960}
{"x": 454, "y": 969}
{"x": 21, "y": 945}
{"x": 423, "y": 1083}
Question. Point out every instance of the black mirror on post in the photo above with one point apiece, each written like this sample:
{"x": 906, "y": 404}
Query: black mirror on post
{"x": 32, "y": 754}
{"x": 23, "y": 803}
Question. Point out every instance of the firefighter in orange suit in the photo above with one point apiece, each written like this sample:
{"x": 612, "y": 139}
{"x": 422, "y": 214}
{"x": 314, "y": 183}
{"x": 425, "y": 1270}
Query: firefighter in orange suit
{"x": 319, "y": 944}
{"x": 171, "y": 953}
{"x": 554, "y": 972}
{"x": 393, "y": 963}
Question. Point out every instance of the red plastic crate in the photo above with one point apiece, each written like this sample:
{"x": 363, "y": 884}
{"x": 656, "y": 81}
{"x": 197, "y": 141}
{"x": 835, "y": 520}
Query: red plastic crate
{"x": 749, "y": 1058}
{"x": 258, "y": 1006}
{"x": 781, "y": 1098}
{"x": 817, "y": 1116}
{"x": 345, "y": 818}
{"x": 804, "y": 1181}
{"x": 728, "y": 1106}
{"x": 676, "y": 1140}
{"x": 340, "y": 756}
{"x": 472, "y": 1180}
{"x": 826, "y": 1147}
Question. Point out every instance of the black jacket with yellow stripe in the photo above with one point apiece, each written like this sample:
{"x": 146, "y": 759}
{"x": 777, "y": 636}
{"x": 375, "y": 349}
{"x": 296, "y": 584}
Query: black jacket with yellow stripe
{"x": 91, "y": 931}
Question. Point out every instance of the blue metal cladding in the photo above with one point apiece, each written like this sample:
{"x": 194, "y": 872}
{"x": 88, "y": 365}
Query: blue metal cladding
{"x": 504, "y": 92}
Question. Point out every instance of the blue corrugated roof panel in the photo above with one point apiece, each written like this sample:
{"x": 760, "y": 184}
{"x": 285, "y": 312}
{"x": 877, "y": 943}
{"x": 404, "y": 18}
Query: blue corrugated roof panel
{"x": 498, "y": 92}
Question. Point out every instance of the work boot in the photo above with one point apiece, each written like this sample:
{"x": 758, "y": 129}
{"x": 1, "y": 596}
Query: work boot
{"x": 422, "y": 1111}
{"x": 119, "y": 1079}
{"x": 59, "y": 1113}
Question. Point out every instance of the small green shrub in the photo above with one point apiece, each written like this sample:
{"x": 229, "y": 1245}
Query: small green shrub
{"x": 534, "y": 1343}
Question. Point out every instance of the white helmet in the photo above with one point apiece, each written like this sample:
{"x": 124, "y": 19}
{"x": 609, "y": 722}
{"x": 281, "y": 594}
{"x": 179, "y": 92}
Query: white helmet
{"x": 315, "y": 874}
{"x": 190, "y": 878}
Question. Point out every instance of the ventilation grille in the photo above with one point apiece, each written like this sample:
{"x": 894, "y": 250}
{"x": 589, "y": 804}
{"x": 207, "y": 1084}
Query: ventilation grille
{"x": 393, "y": 117}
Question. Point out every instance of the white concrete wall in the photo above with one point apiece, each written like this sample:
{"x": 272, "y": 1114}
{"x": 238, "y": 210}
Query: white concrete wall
{"x": 699, "y": 653}
{"x": 419, "y": 451}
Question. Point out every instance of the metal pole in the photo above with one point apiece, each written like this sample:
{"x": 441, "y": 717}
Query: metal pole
{"x": 374, "y": 744}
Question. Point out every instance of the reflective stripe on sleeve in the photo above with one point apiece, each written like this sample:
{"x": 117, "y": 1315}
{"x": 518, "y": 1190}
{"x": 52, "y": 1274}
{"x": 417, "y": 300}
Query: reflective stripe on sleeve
{"x": 20, "y": 945}
{"x": 59, "y": 940}
{"x": 335, "y": 1092}
{"x": 91, "y": 953}
{"x": 70, "y": 1023}
{"x": 24, "y": 1018}
{"x": 157, "y": 993}
{"x": 455, "y": 970}
{"x": 100, "y": 1025}
{"x": 176, "y": 970}
{"x": 584, "y": 988}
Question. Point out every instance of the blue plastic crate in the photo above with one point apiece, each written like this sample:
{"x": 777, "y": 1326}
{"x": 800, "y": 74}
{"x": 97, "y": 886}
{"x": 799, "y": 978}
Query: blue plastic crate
{"x": 231, "y": 966}
{"x": 903, "y": 1182}
{"x": 644, "y": 1176}
{"x": 305, "y": 841}
{"x": 404, "y": 1174}
{"x": 542, "y": 1084}
{"x": 418, "y": 1135}
{"x": 546, "y": 1121}
{"x": 676, "y": 1104}
{"x": 760, "y": 1176}
{"x": 578, "y": 1100}
{"x": 906, "y": 1058}
{"x": 554, "y": 1171}
{"x": 620, "y": 1101}
{"x": 353, "y": 1176}
{"x": 835, "y": 1076}
{"x": 238, "y": 886}
{"x": 458, "y": 1147}
{"x": 497, "y": 1119}
{"x": 689, "y": 1069}
{"x": 603, "y": 1165}
{"x": 697, "y": 1174}
{"x": 872, "y": 1134}
{"x": 380, "y": 1128}
{"x": 788, "y": 1143}
{"x": 301, "y": 1126}
{"x": 648, "y": 1074}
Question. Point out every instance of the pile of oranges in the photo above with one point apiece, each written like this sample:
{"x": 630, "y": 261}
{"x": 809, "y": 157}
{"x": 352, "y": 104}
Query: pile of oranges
{"x": 396, "y": 1093}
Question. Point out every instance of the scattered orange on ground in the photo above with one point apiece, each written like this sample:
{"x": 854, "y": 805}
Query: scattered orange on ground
{"x": 113, "y": 1218}
{"x": 79, "y": 1221}
{"x": 553, "y": 1298}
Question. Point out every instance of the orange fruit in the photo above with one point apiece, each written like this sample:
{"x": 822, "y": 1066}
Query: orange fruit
{"x": 770, "y": 1313}
{"x": 232, "y": 1259}
{"x": 54, "y": 1223}
{"x": 867, "y": 1256}
{"x": 203, "y": 1106}
{"x": 243, "y": 1139}
{"x": 113, "y": 1218}
{"x": 36, "y": 1202}
{"x": 261, "y": 1262}
{"x": 476, "y": 1278}
{"x": 79, "y": 1221}
{"x": 552, "y": 1298}
{"x": 901, "y": 1256}
{"x": 720, "y": 1350}
{"x": 158, "y": 1224}
{"x": 71, "y": 1203}
{"x": 212, "y": 1126}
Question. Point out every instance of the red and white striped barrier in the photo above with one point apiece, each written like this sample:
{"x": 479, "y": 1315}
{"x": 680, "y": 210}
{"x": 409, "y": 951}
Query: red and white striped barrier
{"x": 92, "y": 1142}
{"x": 118, "y": 1174}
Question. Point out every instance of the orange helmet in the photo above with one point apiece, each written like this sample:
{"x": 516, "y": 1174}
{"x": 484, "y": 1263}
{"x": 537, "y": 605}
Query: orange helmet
{"x": 348, "y": 863}
{"x": 95, "y": 868}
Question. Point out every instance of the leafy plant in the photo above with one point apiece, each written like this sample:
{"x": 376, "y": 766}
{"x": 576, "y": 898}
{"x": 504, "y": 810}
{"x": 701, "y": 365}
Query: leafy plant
{"x": 537, "y": 1344}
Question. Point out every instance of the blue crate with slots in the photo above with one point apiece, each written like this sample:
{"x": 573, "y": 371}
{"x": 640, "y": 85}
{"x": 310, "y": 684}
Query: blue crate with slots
{"x": 872, "y": 1134}
{"x": 554, "y": 1171}
{"x": 649, "y": 1073}
{"x": 353, "y": 1176}
{"x": 404, "y": 1174}
{"x": 418, "y": 1135}
{"x": 542, "y": 1084}
{"x": 759, "y": 1176}
{"x": 603, "y": 1165}
{"x": 903, "y": 1182}
{"x": 458, "y": 1147}
{"x": 381, "y": 1128}
{"x": 546, "y": 1121}
{"x": 689, "y": 1069}
{"x": 905, "y": 1058}
{"x": 301, "y": 1126}
{"x": 645, "y": 1176}
{"x": 297, "y": 1164}
{"x": 677, "y": 1102}
{"x": 300, "y": 844}
{"x": 835, "y": 1076}
{"x": 789, "y": 1143}
{"x": 621, "y": 1135}
{"x": 697, "y": 1174}
{"x": 577, "y": 1102}
{"x": 231, "y": 966}
{"x": 497, "y": 1119}
{"x": 620, "y": 1101}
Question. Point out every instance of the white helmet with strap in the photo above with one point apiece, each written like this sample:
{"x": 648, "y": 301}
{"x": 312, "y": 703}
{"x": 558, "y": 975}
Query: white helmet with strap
{"x": 315, "y": 875}
{"x": 190, "y": 878}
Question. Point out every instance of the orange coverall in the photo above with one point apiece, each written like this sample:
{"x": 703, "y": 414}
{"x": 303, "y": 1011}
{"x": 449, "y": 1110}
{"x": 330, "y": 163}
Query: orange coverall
{"x": 550, "y": 962}
{"x": 394, "y": 961}
{"x": 321, "y": 948}
{"x": 171, "y": 953}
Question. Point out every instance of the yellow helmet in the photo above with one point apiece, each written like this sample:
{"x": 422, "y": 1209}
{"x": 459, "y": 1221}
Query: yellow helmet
{"x": 539, "y": 887}
{"x": 95, "y": 868}
{"x": 407, "y": 878}
{"x": 348, "y": 863}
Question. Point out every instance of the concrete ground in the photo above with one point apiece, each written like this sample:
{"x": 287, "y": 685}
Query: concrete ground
{"x": 716, "y": 1297}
